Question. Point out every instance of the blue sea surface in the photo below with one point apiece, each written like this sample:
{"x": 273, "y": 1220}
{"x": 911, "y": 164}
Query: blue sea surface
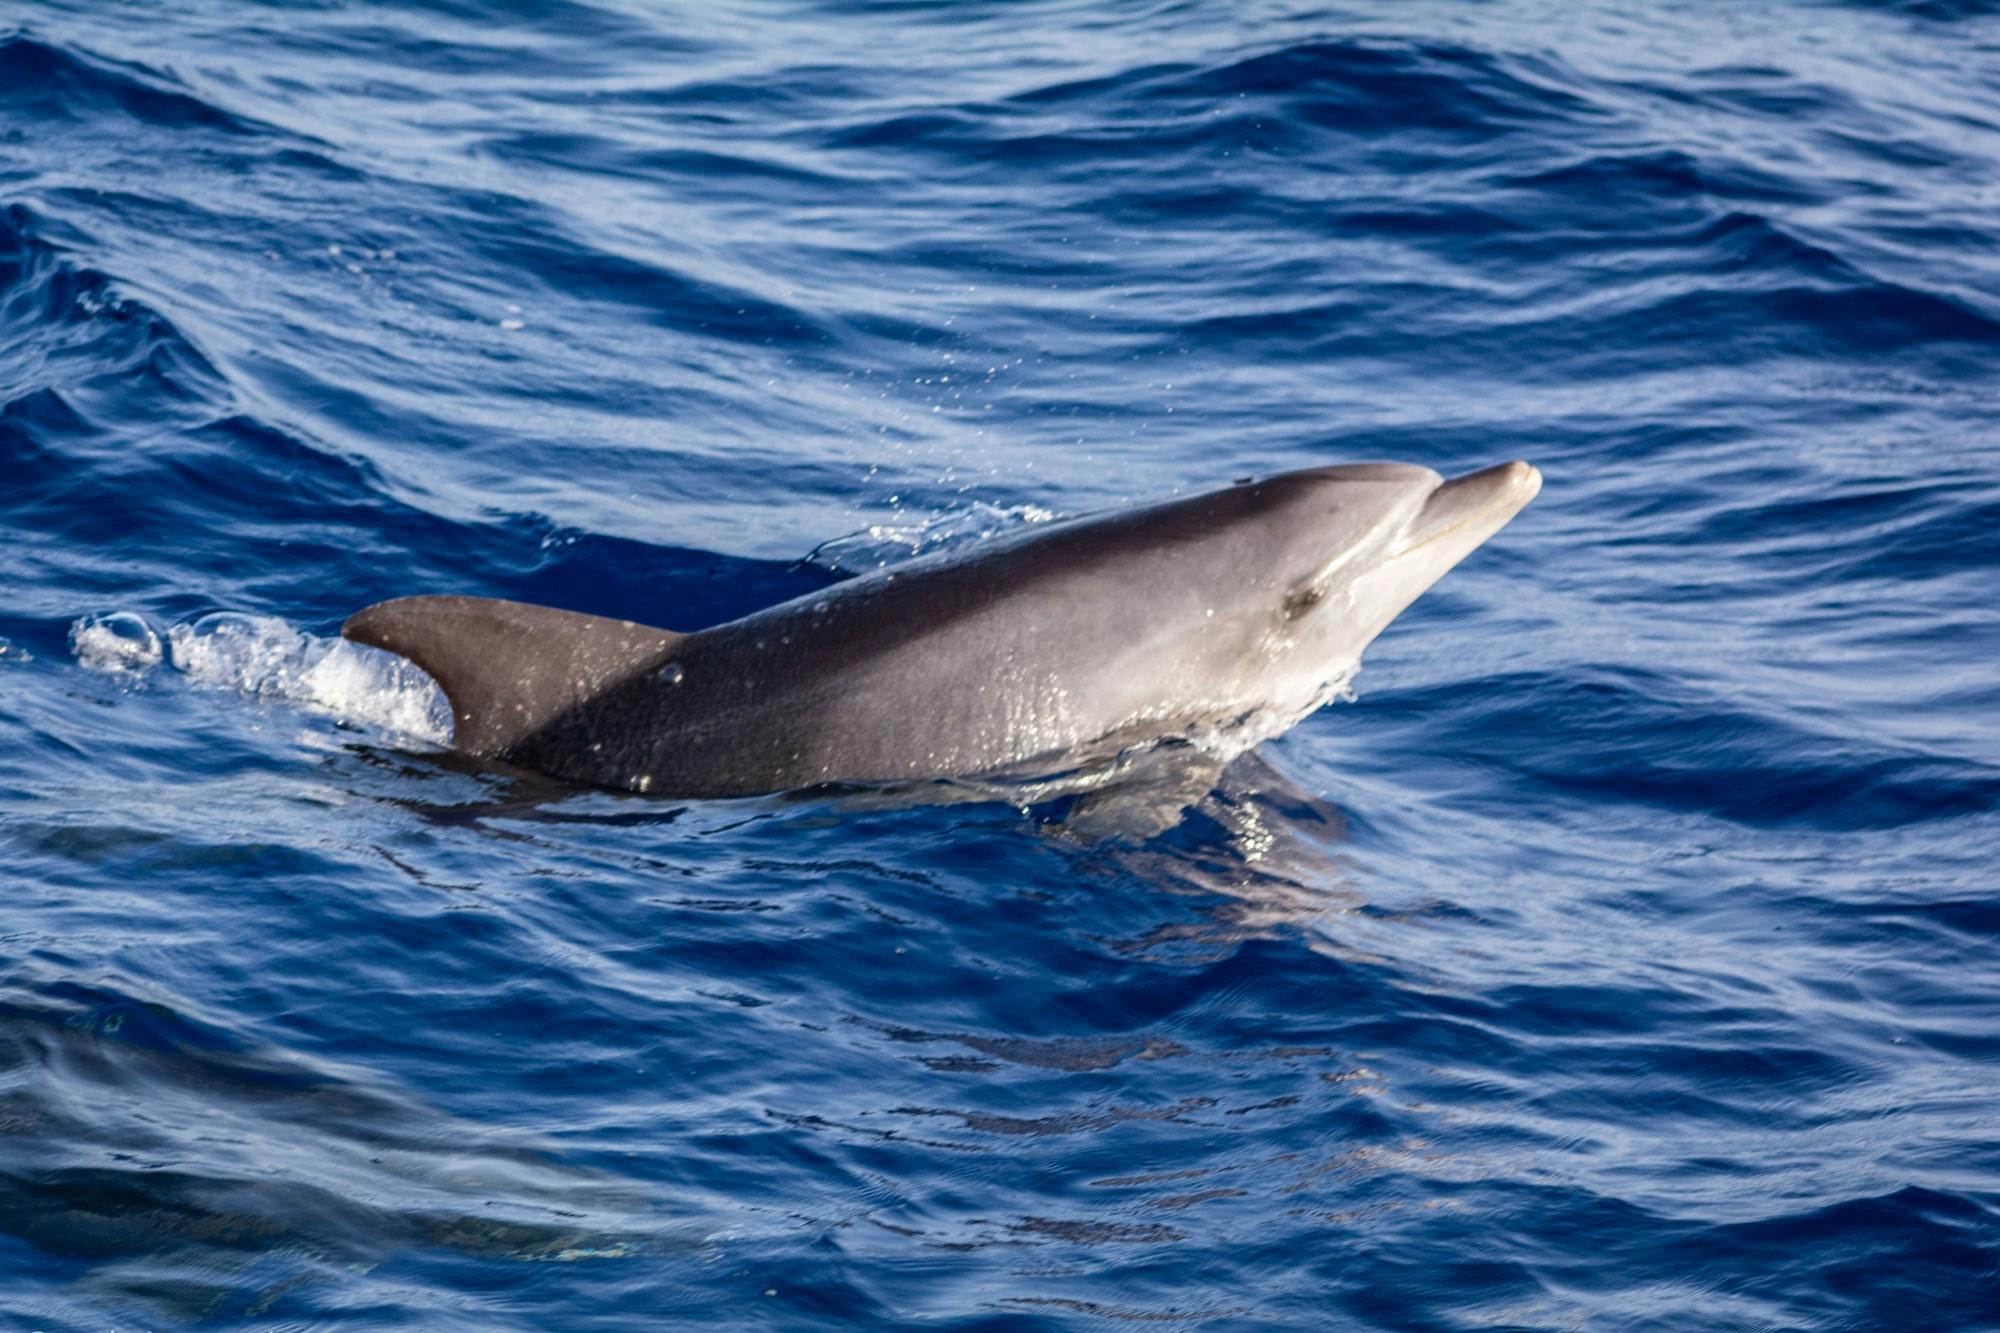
{"x": 1624, "y": 955}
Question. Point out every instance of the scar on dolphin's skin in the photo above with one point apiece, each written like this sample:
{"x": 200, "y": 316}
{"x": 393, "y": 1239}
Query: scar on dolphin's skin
{"x": 1101, "y": 632}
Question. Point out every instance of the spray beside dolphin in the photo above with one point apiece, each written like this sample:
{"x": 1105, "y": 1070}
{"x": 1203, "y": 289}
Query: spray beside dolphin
{"x": 1229, "y": 614}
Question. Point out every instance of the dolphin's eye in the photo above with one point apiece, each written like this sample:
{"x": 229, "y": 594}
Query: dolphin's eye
{"x": 1303, "y": 600}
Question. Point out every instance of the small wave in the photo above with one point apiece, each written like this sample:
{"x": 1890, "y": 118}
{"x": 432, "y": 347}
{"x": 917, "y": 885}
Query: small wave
{"x": 1358, "y": 85}
{"x": 51, "y": 81}
{"x": 97, "y": 1077}
{"x": 52, "y": 300}
{"x": 1633, "y": 734}
{"x": 883, "y": 544}
{"x": 265, "y": 658}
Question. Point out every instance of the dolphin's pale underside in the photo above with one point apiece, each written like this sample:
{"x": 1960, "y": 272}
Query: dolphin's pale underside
{"x": 1193, "y": 617}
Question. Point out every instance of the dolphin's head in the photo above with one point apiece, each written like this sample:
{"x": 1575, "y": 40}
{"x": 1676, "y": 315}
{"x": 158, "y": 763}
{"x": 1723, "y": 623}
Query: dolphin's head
{"x": 1452, "y": 519}
{"x": 1347, "y": 548}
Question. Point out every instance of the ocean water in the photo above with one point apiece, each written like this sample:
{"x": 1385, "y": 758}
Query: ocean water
{"x": 1623, "y": 954}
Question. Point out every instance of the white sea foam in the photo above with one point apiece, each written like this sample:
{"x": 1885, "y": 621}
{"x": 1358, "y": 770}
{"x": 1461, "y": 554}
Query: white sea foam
{"x": 118, "y": 642}
{"x": 264, "y": 657}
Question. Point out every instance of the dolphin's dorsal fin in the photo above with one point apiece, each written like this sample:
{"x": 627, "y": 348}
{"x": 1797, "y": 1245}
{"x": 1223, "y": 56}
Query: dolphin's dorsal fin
{"x": 509, "y": 668}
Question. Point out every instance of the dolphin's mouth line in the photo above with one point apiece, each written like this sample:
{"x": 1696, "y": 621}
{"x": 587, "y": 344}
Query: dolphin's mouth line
{"x": 1434, "y": 536}
{"x": 1315, "y": 588}
{"x": 1484, "y": 499}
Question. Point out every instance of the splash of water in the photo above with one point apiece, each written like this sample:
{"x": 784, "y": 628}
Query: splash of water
{"x": 116, "y": 642}
{"x": 266, "y": 658}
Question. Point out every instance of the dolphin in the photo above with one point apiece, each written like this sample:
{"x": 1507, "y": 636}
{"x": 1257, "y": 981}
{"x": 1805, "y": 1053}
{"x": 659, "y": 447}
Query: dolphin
{"x": 1220, "y": 618}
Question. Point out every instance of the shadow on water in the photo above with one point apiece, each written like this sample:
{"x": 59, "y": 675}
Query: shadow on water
{"x": 1266, "y": 852}
{"x": 1168, "y": 817}
{"x": 170, "y": 1167}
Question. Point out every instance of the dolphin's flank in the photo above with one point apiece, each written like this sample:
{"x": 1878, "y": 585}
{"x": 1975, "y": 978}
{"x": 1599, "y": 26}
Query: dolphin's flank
{"x": 1059, "y": 642}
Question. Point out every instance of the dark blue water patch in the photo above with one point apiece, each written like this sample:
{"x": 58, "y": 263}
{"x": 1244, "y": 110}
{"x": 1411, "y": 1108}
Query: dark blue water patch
{"x": 1620, "y": 739}
{"x": 1946, "y": 917}
{"x": 1954, "y": 1230}
{"x": 1944, "y": 11}
{"x": 1163, "y": 121}
{"x": 1421, "y": 87}
{"x": 48, "y": 83}
{"x": 1931, "y": 528}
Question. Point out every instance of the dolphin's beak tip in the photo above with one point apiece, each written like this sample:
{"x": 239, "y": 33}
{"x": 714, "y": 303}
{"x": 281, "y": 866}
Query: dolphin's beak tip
{"x": 1477, "y": 504}
{"x": 1513, "y": 483}
{"x": 1524, "y": 477}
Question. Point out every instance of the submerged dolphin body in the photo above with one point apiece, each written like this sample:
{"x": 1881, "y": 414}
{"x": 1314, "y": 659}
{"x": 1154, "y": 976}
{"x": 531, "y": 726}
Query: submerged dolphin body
{"x": 1230, "y": 614}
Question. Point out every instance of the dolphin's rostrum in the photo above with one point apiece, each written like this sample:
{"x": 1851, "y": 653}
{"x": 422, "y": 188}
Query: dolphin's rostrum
{"x": 1214, "y": 615}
